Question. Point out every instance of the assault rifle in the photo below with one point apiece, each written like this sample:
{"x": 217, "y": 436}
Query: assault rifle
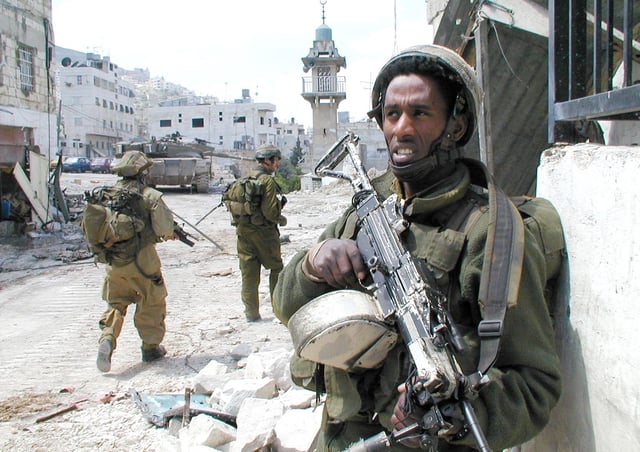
{"x": 408, "y": 297}
{"x": 182, "y": 235}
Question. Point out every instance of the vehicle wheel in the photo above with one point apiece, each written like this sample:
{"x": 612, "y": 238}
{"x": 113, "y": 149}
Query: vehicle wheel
{"x": 202, "y": 183}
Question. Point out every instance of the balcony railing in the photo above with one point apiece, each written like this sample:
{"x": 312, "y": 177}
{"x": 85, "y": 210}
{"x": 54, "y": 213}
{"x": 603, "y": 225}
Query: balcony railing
{"x": 588, "y": 43}
{"x": 330, "y": 85}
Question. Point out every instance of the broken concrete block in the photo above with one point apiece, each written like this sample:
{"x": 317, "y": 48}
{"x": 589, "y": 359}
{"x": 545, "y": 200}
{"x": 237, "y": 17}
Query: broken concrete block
{"x": 298, "y": 397}
{"x": 204, "y": 430}
{"x": 256, "y": 420}
{"x": 210, "y": 377}
{"x": 235, "y": 391}
{"x": 273, "y": 364}
{"x": 296, "y": 430}
{"x": 242, "y": 351}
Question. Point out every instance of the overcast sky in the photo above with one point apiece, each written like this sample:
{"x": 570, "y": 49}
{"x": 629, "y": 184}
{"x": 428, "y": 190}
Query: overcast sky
{"x": 218, "y": 47}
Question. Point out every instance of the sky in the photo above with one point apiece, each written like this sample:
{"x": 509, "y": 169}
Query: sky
{"x": 219, "y": 48}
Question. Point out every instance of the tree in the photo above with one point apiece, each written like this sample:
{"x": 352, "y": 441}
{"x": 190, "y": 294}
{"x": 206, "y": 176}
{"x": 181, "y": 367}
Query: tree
{"x": 288, "y": 176}
{"x": 297, "y": 156}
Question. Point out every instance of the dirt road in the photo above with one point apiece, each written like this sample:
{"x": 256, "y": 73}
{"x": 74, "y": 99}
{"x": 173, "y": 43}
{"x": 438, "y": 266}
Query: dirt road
{"x": 50, "y": 311}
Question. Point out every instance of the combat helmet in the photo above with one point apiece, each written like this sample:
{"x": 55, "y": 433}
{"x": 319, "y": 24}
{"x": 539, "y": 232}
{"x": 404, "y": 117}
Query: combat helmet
{"x": 132, "y": 164}
{"x": 451, "y": 66}
{"x": 266, "y": 151}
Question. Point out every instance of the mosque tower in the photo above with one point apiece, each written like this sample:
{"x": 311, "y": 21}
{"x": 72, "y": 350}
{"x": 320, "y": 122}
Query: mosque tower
{"x": 324, "y": 90}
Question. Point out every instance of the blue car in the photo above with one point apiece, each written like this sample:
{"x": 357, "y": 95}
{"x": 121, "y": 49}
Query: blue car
{"x": 76, "y": 165}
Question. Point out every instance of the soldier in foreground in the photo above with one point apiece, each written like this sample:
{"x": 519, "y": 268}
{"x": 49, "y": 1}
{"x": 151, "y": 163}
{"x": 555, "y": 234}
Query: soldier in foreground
{"x": 133, "y": 273}
{"x": 426, "y": 101}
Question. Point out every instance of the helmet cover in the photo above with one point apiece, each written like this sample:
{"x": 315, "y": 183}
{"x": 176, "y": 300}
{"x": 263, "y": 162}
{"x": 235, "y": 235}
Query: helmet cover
{"x": 132, "y": 164}
{"x": 266, "y": 151}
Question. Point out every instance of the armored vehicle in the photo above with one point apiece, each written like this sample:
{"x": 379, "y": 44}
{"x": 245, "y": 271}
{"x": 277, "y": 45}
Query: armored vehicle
{"x": 175, "y": 162}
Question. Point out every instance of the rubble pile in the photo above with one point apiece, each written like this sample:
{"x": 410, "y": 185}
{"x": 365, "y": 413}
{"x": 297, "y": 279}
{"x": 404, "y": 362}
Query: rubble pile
{"x": 253, "y": 408}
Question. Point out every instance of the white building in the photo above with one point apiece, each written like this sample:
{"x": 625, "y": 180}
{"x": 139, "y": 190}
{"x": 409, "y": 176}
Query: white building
{"x": 373, "y": 149}
{"x": 97, "y": 104}
{"x": 227, "y": 126}
{"x": 27, "y": 89}
{"x": 287, "y": 136}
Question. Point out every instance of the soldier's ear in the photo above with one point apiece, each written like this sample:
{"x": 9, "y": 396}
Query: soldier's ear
{"x": 458, "y": 127}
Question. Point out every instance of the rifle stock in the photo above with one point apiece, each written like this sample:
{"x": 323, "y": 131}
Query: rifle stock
{"x": 408, "y": 297}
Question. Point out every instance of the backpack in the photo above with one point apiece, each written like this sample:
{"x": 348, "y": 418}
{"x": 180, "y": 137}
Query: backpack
{"x": 111, "y": 222}
{"x": 242, "y": 198}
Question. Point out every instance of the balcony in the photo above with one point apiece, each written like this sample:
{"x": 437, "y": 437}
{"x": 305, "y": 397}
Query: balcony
{"x": 324, "y": 86}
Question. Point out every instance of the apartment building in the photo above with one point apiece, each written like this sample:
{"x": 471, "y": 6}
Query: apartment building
{"x": 27, "y": 112}
{"x": 227, "y": 126}
{"x": 288, "y": 134}
{"x": 97, "y": 108}
{"x": 27, "y": 91}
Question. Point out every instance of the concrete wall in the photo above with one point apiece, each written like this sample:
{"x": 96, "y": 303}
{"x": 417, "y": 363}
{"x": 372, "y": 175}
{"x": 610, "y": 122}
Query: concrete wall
{"x": 595, "y": 189}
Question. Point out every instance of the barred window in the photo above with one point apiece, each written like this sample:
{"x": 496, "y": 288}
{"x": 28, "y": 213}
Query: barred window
{"x": 25, "y": 61}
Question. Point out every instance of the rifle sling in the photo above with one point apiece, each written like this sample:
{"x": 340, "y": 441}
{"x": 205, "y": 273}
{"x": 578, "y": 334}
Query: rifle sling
{"x": 502, "y": 265}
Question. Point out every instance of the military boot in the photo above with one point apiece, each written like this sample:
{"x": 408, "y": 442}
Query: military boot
{"x": 152, "y": 354}
{"x": 105, "y": 350}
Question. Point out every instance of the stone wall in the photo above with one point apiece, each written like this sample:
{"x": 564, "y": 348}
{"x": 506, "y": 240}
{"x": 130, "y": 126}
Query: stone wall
{"x": 594, "y": 188}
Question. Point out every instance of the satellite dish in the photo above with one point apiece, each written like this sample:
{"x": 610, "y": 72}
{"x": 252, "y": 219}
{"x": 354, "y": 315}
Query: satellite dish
{"x": 66, "y": 61}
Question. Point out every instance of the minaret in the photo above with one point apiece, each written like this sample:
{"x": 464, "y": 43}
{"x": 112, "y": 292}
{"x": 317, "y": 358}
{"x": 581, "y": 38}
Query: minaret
{"x": 324, "y": 90}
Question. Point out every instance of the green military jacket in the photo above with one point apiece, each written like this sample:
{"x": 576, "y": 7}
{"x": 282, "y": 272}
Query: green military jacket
{"x": 525, "y": 381}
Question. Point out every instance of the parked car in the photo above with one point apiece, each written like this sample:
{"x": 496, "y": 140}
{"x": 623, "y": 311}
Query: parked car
{"x": 54, "y": 162}
{"x": 101, "y": 165}
{"x": 76, "y": 165}
{"x": 114, "y": 162}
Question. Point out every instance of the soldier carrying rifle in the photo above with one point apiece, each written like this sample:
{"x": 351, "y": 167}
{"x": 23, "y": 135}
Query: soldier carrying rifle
{"x": 458, "y": 353}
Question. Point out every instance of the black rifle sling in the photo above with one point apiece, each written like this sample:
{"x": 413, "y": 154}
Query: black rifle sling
{"x": 502, "y": 265}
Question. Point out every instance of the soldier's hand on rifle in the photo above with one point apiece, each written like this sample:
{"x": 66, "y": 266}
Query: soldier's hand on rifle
{"x": 401, "y": 419}
{"x": 441, "y": 421}
{"x": 337, "y": 262}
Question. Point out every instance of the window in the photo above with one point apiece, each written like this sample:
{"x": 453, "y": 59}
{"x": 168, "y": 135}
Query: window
{"x": 237, "y": 119}
{"x": 97, "y": 101}
{"x": 219, "y": 116}
{"x": 25, "y": 61}
{"x": 261, "y": 120}
{"x": 104, "y": 103}
{"x": 79, "y": 80}
{"x": 165, "y": 123}
{"x": 110, "y": 105}
{"x": 197, "y": 122}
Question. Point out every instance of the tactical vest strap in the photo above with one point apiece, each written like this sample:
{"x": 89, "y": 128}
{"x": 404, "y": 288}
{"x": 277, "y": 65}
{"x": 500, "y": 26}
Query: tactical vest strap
{"x": 502, "y": 265}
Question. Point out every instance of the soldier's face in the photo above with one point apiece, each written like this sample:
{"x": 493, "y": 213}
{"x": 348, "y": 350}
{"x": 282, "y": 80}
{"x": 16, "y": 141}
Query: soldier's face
{"x": 272, "y": 164}
{"x": 414, "y": 116}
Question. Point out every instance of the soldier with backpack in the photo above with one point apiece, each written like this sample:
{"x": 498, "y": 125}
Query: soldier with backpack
{"x": 488, "y": 263}
{"x": 255, "y": 203}
{"x": 123, "y": 223}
